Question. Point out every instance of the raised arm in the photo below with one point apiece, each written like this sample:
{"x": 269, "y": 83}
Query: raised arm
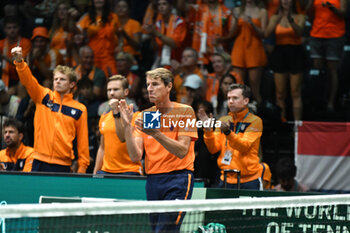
{"x": 35, "y": 90}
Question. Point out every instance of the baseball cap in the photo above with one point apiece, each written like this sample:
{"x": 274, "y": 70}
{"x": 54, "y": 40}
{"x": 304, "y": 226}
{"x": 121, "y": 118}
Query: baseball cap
{"x": 193, "y": 81}
{"x": 40, "y": 31}
{"x": 2, "y": 85}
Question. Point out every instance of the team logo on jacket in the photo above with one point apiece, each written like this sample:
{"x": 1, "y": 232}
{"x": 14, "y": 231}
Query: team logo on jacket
{"x": 73, "y": 112}
{"x": 151, "y": 120}
{"x": 49, "y": 104}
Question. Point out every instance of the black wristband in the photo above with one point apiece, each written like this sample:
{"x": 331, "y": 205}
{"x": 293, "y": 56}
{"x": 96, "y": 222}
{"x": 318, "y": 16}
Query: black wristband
{"x": 227, "y": 132}
{"x": 116, "y": 115}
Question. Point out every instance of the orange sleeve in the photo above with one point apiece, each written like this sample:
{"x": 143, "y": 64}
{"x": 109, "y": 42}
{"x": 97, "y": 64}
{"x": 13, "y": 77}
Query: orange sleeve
{"x": 29, "y": 162}
{"x": 212, "y": 141}
{"x": 35, "y": 90}
{"x": 243, "y": 144}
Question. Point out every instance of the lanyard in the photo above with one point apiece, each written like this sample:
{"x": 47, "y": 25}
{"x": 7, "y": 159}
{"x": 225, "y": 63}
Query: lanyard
{"x": 239, "y": 124}
{"x": 238, "y": 127}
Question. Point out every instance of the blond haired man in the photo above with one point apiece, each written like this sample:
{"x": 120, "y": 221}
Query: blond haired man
{"x": 59, "y": 119}
{"x": 169, "y": 149}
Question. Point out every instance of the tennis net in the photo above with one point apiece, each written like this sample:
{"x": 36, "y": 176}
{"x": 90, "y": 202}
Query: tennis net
{"x": 319, "y": 213}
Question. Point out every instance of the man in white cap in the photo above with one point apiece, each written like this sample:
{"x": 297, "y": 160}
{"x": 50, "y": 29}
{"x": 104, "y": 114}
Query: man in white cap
{"x": 193, "y": 85}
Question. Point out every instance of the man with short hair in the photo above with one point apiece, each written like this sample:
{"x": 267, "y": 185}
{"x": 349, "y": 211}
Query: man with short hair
{"x": 16, "y": 156}
{"x": 112, "y": 155}
{"x": 188, "y": 66}
{"x": 238, "y": 139}
{"x": 169, "y": 151}
{"x": 13, "y": 38}
{"x": 87, "y": 69}
{"x": 59, "y": 119}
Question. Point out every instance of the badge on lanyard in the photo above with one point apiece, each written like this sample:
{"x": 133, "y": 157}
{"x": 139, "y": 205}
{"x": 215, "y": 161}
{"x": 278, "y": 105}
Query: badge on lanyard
{"x": 227, "y": 157}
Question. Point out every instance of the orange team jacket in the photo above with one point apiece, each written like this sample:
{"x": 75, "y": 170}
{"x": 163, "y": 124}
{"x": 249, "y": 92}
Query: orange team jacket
{"x": 56, "y": 123}
{"x": 116, "y": 158}
{"x": 327, "y": 24}
{"x": 21, "y": 161}
{"x": 158, "y": 159}
{"x": 240, "y": 149}
{"x": 178, "y": 84}
{"x": 8, "y": 70}
{"x": 176, "y": 29}
{"x": 102, "y": 40}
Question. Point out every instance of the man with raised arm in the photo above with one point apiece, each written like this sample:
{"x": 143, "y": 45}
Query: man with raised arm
{"x": 59, "y": 119}
{"x": 167, "y": 138}
{"x": 238, "y": 139}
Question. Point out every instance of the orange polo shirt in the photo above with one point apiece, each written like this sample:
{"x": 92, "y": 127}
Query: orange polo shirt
{"x": 158, "y": 159}
{"x": 116, "y": 158}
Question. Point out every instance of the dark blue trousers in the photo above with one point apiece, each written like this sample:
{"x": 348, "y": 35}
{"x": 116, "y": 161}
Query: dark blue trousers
{"x": 177, "y": 185}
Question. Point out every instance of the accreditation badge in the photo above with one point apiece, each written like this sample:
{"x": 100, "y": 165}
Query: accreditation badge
{"x": 227, "y": 157}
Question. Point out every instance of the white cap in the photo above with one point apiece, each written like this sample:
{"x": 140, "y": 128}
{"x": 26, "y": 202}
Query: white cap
{"x": 193, "y": 81}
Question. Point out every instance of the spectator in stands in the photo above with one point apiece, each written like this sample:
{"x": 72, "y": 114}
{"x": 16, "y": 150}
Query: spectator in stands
{"x": 16, "y": 156}
{"x": 41, "y": 59}
{"x": 188, "y": 65}
{"x": 193, "y": 85}
{"x": 25, "y": 114}
{"x": 214, "y": 22}
{"x": 12, "y": 39}
{"x": 15, "y": 10}
{"x": 8, "y": 103}
{"x": 248, "y": 54}
{"x": 222, "y": 66}
{"x": 169, "y": 33}
{"x": 86, "y": 96}
{"x": 62, "y": 27}
{"x": 238, "y": 139}
{"x": 58, "y": 119}
{"x": 205, "y": 163}
{"x": 86, "y": 69}
{"x": 288, "y": 58}
{"x": 100, "y": 25}
{"x": 327, "y": 40}
{"x": 129, "y": 31}
{"x": 125, "y": 61}
{"x": 169, "y": 154}
{"x": 143, "y": 99}
{"x": 147, "y": 44}
{"x": 286, "y": 172}
{"x": 220, "y": 105}
{"x": 73, "y": 48}
{"x": 112, "y": 155}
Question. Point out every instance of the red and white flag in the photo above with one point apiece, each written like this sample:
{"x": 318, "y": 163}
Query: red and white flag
{"x": 322, "y": 155}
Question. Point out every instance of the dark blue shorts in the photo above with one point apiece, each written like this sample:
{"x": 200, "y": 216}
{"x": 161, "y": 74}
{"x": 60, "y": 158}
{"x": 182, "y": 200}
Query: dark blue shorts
{"x": 40, "y": 166}
{"x": 177, "y": 185}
